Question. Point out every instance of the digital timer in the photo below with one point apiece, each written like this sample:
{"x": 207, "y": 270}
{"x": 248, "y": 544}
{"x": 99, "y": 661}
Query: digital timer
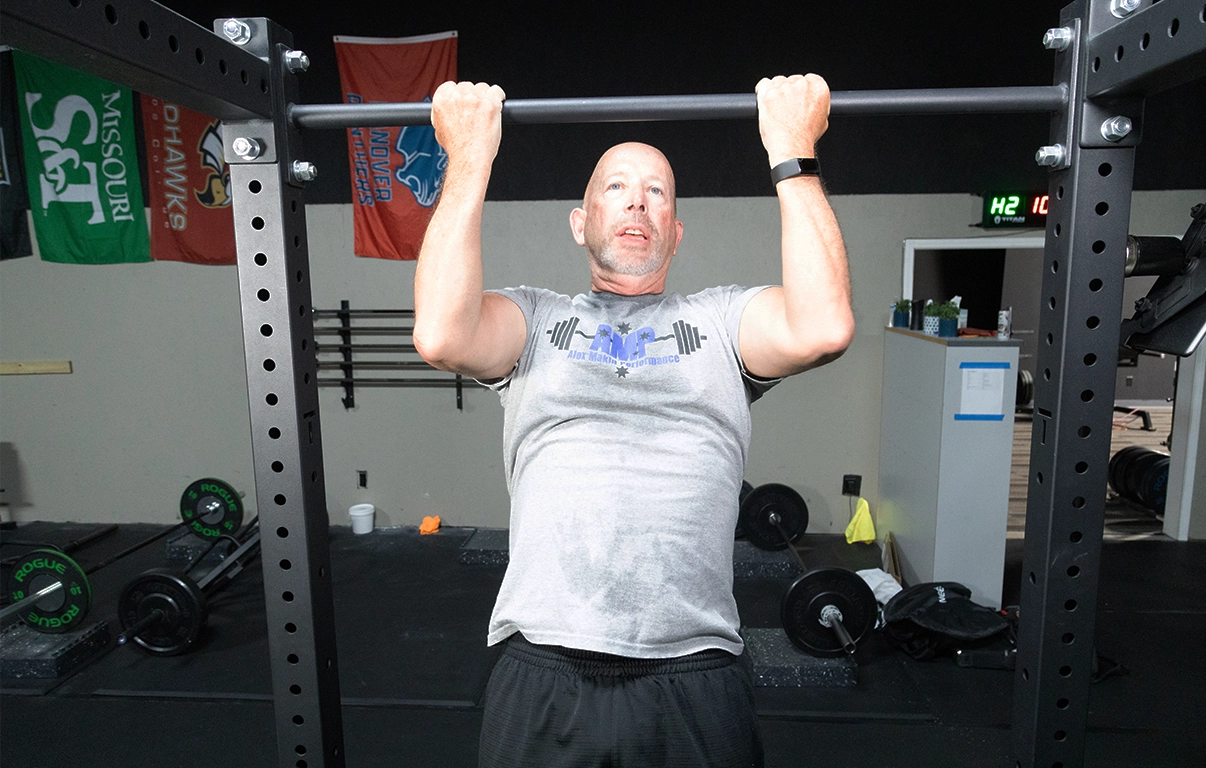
{"x": 1014, "y": 209}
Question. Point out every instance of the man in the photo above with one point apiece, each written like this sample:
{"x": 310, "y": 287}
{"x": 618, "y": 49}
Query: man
{"x": 627, "y": 426}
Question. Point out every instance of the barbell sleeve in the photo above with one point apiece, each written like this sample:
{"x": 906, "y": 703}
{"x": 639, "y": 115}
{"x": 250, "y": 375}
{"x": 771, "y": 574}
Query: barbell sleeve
{"x": 16, "y": 607}
{"x": 154, "y": 617}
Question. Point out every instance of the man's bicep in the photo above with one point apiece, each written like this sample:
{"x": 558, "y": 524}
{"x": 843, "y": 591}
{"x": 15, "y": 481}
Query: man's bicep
{"x": 501, "y": 335}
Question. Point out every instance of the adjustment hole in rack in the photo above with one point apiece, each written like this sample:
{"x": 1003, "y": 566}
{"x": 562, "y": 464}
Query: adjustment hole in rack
{"x": 222, "y": 66}
{"x": 295, "y": 689}
{"x": 274, "y": 433}
{"x": 243, "y": 76}
{"x": 1051, "y": 303}
{"x": 1039, "y": 477}
{"x": 286, "y": 565}
{"x": 1090, "y": 359}
{"x": 1075, "y": 537}
{"x": 265, "y": 330}
{"x": 279, "y": 499}
{"x": 278, "y": 466}
{"x": 1070, "y": 605}
{"x": 1054, "y": 267}
{"x": 298, "y": 276}
{"x": 269, "y": 365}
{"x": 263, "y": 294}
{"x": 1095, "y": 285}
{"x": 1058, "y": 229}
{"x": 1061, "y": 704}
{"x": 1073, "y": 571}
{"x": 300, "y": 749}
{"x": 1061, "y": 735}
{"x": 298, "y": 719}
{"x": 263, "y": 86}
{"x": 1086, "y": 396}
{"x": 1098, "y": 246}
{"x": 1096, "y": 63}
{"x": 1025, "y": 674}
{"x": 261, "y": 259}
{"x": 1068, "y": 638}
{"x": 1081, "y": 467}
{"x": 1145, "y": 42}
{"x": 291, "y": 628}
{"x": 301, "y": 764}
{"x": 200, "y": 54}
{"x": 1046, "y": 374}
{"x": 144, "y": 31}
{"x": 1093, "y": 322}
{"x": 1084, "y": 431}
{"x": 1059, "y": 193}
{"x": 1119, "y": 53}
{"x": 1032, "y": 577}
{"x": 292, "y": 658}
{"x": 173, "y": 44}
{"x": 1078, "y": 502}
{"x": 1105, "y": 169}
{"x": 255, "y": 186}
{"x": 257, "y": 223}
{"x": 1174, "y": 27}
{"x": 1065, "y": 671}
{"x": 287, "y": 597}
{"x": 1102, "y": 208}
{"x": 110, "y": 14}
{"x": 282, "y": 532}
{"x": 1050, "y": 339}
{"x": 271, "y": 398}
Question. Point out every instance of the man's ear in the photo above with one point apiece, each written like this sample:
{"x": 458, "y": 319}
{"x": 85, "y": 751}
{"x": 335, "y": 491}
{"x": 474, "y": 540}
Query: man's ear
{"x": 577, "y": 222}
{"x": 678, "y": 226}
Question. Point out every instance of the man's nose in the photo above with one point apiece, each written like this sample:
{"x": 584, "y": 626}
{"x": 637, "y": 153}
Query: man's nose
{"x": 636, "y": 200}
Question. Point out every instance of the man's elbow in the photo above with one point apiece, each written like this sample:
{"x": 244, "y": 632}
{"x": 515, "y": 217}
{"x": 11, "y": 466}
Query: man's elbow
{"x": 435, "y": 350}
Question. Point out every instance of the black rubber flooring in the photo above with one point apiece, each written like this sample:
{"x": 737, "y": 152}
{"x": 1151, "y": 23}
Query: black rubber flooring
{"x": 411, "y": 624}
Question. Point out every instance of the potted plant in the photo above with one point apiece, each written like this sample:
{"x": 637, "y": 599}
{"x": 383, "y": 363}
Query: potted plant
{"x": 948, "y": 318}
{"x": 930, "y": 315}
{"x": 900, "y": 313}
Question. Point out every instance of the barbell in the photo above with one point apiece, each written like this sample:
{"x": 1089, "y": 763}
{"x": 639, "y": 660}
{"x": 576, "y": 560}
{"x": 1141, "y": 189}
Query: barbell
{"x": 826, "y": 611}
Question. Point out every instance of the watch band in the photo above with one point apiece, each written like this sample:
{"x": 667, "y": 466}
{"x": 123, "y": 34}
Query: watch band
{"x": 797, "y": 166}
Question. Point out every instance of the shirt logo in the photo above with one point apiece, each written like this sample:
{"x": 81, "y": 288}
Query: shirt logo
{"x": 623, "y": 346}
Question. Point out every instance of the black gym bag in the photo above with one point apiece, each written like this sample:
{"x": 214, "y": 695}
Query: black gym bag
{"x": 935, "y": 619}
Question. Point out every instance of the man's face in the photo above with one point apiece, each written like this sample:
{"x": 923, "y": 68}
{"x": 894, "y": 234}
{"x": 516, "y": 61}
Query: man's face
{"x": 627, "y": 221}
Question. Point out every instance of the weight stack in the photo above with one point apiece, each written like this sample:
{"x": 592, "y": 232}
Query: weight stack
{"x": 1140, "y": 475}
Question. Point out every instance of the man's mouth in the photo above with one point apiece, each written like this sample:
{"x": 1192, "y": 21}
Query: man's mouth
{"x": 633, "y": 232}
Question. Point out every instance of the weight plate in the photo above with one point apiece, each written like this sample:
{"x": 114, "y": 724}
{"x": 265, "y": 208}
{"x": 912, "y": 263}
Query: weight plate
{"x": 1153, "y": 486}
{"x": 211, "y": 508}
{"x": 755, "y": 516}
{"x": 1136, "y": 468}
{"x": 1117, "y": 468}
{"x": 745, "y": 491}
{"x": 807, "y": 597}
{"x": 182, "y": 603}
{"x": 61, "y": 610}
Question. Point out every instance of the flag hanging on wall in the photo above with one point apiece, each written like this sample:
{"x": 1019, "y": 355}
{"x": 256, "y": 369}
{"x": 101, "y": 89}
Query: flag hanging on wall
{"x": 396, "y": 172}
{"x": 14, "y": 201}
{"x": 188, "y": 185}
{"x": 81, "y": 165}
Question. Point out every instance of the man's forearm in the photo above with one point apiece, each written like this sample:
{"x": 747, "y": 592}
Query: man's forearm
{"x": 816, "y": 277}
{"x": 448, "y": 277}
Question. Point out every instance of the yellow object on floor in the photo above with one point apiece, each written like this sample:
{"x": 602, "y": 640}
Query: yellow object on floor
{"x": 861, "y": 527}
{"x": 430, "y": 525}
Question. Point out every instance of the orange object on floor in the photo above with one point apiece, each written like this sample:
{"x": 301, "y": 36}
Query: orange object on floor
{"x": 430, "y": 525}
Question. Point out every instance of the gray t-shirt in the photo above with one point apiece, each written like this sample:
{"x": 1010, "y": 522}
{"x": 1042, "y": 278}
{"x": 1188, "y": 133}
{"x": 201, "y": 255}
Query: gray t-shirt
{"x": 626, "y": 432}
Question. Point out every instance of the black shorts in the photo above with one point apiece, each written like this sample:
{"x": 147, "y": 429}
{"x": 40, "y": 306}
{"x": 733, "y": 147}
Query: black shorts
{"x": 552, "y": 706}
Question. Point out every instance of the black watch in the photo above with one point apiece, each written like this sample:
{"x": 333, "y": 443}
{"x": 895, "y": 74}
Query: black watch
{"x": 797, "y": 166}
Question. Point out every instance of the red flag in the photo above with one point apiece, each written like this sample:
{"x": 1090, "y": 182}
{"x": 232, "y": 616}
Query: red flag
{"x": 396, "y": 172}
{"x": 189, "y": 197}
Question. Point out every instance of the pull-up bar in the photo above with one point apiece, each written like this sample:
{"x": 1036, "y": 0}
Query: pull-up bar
{"x": 1039, "y": 98}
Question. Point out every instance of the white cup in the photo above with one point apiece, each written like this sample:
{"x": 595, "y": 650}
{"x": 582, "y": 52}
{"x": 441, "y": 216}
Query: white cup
{"x": 362, "y": 517}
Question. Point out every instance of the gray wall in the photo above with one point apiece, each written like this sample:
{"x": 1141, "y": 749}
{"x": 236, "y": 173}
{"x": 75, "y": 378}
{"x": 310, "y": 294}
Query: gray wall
{"x": 158, "y": 393}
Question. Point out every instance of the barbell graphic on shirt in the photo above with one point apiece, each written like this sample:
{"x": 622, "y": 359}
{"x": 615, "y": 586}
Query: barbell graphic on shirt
{"x": 622, "y": 342}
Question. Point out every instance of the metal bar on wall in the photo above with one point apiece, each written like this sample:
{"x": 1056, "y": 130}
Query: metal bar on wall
{"x": 1039, "y": 98}
{"x": 1080, "y": 313}
{"x": 286, "y": 438}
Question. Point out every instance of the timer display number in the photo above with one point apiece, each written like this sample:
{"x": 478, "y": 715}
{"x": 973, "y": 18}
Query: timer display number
{"x": 1009, "y": 209}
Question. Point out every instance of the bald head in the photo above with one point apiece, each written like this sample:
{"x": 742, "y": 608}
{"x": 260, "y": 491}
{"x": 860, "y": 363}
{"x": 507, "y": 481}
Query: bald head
{"x": 633, "y": 154}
